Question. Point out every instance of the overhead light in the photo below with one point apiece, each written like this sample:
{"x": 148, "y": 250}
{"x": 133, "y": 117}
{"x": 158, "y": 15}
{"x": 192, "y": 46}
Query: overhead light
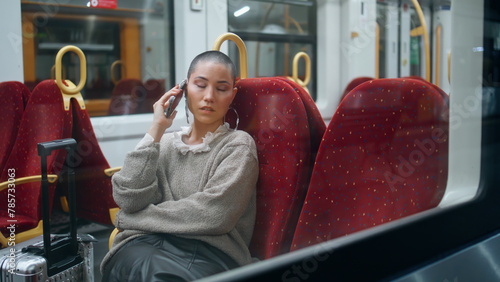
{"x": 241, "y": 11}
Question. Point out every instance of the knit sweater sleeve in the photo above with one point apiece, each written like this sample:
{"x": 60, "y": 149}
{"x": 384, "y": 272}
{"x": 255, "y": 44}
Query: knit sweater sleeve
{"x": 214, "y": 211}
{"x": 135, "y": 186}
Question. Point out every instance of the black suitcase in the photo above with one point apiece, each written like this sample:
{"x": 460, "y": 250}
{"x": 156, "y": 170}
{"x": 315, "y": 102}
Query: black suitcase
{"x": 56, "y": 257}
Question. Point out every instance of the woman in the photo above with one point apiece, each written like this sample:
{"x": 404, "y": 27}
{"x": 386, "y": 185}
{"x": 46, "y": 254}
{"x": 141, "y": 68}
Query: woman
{"x": 187, "y": 198}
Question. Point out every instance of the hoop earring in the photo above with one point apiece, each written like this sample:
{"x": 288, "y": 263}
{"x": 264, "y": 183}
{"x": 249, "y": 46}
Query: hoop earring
{"x": 237, "y": 117}
{"x": 186, "y": 109}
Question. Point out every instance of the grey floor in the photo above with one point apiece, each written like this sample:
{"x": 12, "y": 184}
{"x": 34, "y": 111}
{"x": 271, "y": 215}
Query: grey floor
{"x": 101, "y": 233}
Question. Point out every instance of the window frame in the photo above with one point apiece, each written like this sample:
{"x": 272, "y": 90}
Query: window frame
{"x": 310, "y": 38}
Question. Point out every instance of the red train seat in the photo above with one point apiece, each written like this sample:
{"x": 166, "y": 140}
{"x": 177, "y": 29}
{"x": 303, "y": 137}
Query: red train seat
{"x": 13, "y": 95}
{"x": 272, "y": 112}
{"x": 384, "y": 156}
{"x": 44, "y": 119}
{"x": 355, "y": 82}
{"x": 93, "y": 187}
{"x": 316, "y": 124}
{"x": 125, "y": 97}
{"x": 445, "y": 96}
{"x": 154, "y": 89}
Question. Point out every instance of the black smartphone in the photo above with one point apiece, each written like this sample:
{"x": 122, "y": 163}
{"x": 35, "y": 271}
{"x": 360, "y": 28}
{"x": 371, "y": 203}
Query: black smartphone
{"x": 174, "y": 100}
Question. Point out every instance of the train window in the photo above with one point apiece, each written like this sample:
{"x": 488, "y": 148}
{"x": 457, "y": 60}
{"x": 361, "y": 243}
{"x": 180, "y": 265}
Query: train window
{"x": 126, "y": 43}
{"x": 274, "y": 32}
{"x": 454, "y": 44}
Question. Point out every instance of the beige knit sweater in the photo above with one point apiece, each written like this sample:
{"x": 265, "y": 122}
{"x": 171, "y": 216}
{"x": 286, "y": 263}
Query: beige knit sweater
{"x": 206, "y": 194}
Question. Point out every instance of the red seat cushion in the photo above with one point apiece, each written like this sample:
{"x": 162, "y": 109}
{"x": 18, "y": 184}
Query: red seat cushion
{"x": 272, "y": 112}
{"x": 384, "y": 156}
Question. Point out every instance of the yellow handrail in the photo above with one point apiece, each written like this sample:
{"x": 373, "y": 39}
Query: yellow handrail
{"x": 241, "y": 48}
{"x": 27, "y": 179}
{"x": 23, "y": 236}
{"x": 437, "y": 75}
{"x": 73, "y": 91}
{"x": 377, "y": 50}
{"x": 449, "y": 67}
{"x": 422, "y": 30}
{"x": 112, "y": 170}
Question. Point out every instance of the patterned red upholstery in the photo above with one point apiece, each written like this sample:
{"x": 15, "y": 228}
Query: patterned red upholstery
{"x": 125, "y": 98}
{"x": 316, "y": 123}
{"x": 44, "y": 120}
{"x": 93, "y": 187}
{"x": 445, "y": 96}
{"x": 272, "y": 112}
{"x": 384, "y": 156}
{"x": 155, "y": 88}
{"x": 355, "y": 82}
{"x": 13, "y": 95}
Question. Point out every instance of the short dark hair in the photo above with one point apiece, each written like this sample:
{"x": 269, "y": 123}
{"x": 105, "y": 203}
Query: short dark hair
{"x": 216, "y": 57}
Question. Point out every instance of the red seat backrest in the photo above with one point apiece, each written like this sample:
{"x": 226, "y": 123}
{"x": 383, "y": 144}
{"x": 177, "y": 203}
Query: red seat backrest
{"x": 93, "y": 187}
{"x": 446, "y": 97}
{"x": 272, "y": 112}
{"x": 316, "y": 123}
{"x": 384, "y": 156}
{"x": 126, "y": 97}
{"x": 355, "y": 82}
{"x": 13, "y": 97}
{"x": 44, "y": 119}
{"x": 155, "y": 88}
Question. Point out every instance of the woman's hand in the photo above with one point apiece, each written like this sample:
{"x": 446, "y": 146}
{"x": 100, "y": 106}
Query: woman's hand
{"x": 160, "y": 121}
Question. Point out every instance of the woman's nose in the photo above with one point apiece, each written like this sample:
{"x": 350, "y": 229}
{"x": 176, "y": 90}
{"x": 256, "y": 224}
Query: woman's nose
{"x": 209, "y": 94}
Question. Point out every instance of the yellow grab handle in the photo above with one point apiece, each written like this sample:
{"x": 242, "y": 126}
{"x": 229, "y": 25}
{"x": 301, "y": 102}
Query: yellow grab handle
{"x": 241, "y": 47}
{"x": 83, "y": 69}
{"x": 27, "y": 179}
{"x": 295, "y": 69}
{"x": 67, "y": 97}
{"x": 113, "y": 66}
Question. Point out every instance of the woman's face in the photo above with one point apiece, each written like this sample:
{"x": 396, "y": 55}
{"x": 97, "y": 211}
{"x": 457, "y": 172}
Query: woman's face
{"x": 210, "y": 92}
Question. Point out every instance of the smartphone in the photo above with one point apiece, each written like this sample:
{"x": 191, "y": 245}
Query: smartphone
{"x": 174, "y": 100}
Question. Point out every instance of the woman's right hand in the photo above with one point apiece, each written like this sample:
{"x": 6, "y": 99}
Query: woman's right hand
{"x": 160, "y": 121}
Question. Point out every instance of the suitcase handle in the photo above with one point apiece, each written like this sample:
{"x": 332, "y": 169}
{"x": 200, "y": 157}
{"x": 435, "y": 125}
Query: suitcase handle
{"x": 44, "y": 150}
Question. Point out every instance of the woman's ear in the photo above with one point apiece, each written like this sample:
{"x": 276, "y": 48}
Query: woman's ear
{"x": 235, "y": 89}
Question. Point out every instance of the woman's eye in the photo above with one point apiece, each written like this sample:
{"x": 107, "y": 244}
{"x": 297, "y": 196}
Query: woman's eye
{"x": 201, "y": 85}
